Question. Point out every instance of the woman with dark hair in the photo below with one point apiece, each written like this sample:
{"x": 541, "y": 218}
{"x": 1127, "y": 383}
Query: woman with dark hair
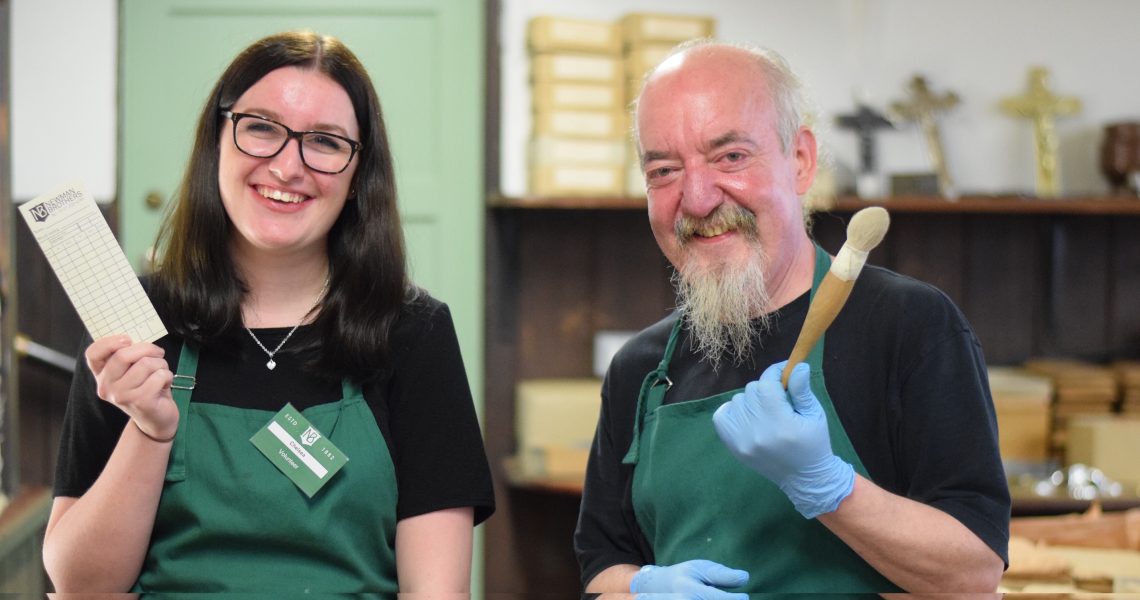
{"x": 307, "y": 426}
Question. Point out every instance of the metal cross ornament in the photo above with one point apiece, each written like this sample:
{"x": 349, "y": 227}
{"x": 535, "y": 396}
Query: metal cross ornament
{"x": 923, "y": 108}
{"x": 865, "y": 121}
{"x": 1043, "y": 106}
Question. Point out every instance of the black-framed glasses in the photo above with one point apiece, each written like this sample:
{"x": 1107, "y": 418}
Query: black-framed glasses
{"x": 321, "y": 151}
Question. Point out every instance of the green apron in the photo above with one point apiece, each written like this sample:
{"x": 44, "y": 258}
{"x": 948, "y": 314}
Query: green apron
{"x": 693, "y": 499}
{"x": 229, "y": 520}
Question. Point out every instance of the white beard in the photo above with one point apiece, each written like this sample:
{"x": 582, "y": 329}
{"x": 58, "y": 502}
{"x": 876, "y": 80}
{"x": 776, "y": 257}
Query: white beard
{"x": 726, "y": 305}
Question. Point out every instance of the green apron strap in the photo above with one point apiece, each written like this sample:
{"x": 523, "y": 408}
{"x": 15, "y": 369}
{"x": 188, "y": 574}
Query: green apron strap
{"x": 349, "y": 391}
{"x": 181, "y": 389}
{"x": 822, "y": 266}
{"x": 652, "y": 393}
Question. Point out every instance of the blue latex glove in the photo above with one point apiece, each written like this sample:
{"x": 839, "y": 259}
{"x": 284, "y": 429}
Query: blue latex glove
{"x": 787, "y": 442}
{"x": 696, "y": 579}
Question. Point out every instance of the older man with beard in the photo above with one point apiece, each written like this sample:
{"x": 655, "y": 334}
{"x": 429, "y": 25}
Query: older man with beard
{"x": 877, "y": 470}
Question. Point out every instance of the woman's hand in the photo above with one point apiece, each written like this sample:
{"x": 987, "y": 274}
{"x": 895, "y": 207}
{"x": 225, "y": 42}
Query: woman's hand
{"x": 135, "y": 378}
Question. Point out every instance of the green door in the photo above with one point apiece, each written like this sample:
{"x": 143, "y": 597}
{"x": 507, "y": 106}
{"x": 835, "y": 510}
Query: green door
{"x": 425, "y": 58}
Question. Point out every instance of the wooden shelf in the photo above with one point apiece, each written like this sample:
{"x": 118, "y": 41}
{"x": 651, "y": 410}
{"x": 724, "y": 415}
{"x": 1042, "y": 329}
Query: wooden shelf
{"x": 1082, "y": 205}
{"x": 555, "y": 485}
{"x": 571, "y": 203}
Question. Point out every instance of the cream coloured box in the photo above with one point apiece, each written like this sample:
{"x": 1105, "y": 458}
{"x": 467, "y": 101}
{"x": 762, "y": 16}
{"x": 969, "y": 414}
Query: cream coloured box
{"x": 580, "y": 124}
{"x": 641, "y": 58}
{"x": 553, "y": 150}
{"x": 577, "y": 180}
{"x": 556, "y": 412}
{"x": 558, "y": 34}
{"x": 1108, "y": 442}
{"x": 582, "y": 68}
{"x": 555, "y": 95}
{"x": 638, "y": 28}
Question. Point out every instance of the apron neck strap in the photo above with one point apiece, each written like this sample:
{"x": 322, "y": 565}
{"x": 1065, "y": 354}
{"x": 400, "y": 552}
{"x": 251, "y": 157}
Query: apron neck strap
{"x": 657, "y": 382}
{"x": 181, "y": 389}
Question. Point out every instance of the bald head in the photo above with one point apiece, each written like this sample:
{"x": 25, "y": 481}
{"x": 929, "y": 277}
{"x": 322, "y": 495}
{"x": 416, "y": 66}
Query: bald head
{"x": 729, "y": 67}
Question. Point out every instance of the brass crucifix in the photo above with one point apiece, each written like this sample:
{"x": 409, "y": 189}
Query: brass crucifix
{"x": 1043, "y": 106}
{"x": 922, "y": 108}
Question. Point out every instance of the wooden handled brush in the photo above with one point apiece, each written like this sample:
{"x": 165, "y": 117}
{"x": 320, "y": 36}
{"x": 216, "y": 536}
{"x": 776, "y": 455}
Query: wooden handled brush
{"x": 864, "y": 232}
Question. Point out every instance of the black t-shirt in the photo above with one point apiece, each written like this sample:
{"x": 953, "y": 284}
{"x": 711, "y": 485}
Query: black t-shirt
{"x": 908, "y": 381}
{"x": 422, "y": 404}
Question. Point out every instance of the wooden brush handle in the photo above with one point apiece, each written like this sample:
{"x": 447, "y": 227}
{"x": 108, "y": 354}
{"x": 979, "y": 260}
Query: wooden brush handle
{"x": 828, "y": 300}
{"x": 864, "y": 232}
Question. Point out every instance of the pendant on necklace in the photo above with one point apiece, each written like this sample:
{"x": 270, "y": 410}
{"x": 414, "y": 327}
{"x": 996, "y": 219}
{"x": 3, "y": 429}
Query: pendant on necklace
{"x": 271, "y": 364}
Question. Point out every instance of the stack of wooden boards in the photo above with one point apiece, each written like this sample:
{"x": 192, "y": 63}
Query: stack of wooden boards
{"x": 1091, "y": 552}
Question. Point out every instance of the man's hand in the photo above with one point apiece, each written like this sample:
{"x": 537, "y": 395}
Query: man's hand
{"x": 787, "y": 442}
{"x": 696, "y": 579}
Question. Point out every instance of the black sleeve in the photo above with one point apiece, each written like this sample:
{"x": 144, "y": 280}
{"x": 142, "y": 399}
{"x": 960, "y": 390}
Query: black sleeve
{"x": 911, "y": 386}
{"x": 949, "y": 435}
{"x": 607, "y": 533}
{"x": 438, "y": 447}
{"x": 90, "y": 431}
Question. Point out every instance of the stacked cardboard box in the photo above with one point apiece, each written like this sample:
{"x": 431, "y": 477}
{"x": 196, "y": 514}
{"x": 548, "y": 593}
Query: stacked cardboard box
{"x": 1128, "y": 377}
{"x": 580, "y": 126}
{"x": 1021, "y": 401}
{"x": 1110, "y": 443}
{"x": 1080, "y": 388}
{"x": 646, "y": 40}
{"x": 554, "y": 425}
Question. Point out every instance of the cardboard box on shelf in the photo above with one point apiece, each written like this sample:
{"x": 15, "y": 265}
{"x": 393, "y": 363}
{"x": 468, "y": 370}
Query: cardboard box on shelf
{"x": 554, "y": 150}
{"x": 641, "y": 28}
{"x": 641, "y": 58}
{"x": 557, "y": 412}
{"x": 555, "y": 421}
{"x": 558, "y": 34}
{"x": 555, "y": 95}
{"x": 577, "y": 180}
{"x": 1110, "y": 443}
{"x": 583, "y": 68}
{"x": 556, "y": 462}
{"x": 1021, "y": 401}
{"x": 580, "y": 124}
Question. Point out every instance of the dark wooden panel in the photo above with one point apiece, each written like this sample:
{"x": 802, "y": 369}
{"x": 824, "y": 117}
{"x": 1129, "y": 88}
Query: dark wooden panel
{"x": 1000, "y": 285}
{"x": 1123, "y": 310}
{"x": 545, "y": 547}
{"x": 501, "y": 564}
{"x": 554, "y": 278}
{"x": 631, "y": 275}
{"x": 1076, "y": 317}
{"x": 556, "y": 258}
{"x": 46, "y": 317}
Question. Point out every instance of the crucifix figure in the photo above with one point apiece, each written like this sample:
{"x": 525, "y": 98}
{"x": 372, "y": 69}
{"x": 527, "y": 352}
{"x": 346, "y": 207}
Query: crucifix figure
{"x": 922, "y": 108}
{"x": 1043, "y": 106}
{"x": 865, "y": 122}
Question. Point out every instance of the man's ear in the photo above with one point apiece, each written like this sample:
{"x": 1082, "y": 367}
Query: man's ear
{"x": 804, "y": 151}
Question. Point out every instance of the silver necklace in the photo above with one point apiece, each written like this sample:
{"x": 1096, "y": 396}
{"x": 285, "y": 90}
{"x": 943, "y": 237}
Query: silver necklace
{"x": 272, "y": 364}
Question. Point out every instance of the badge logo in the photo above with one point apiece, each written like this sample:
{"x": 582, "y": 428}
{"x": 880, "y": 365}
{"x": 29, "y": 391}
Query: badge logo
{"x": 310, "y": 436}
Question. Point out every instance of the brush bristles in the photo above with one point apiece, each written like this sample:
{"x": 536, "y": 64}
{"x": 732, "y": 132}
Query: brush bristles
{"x": 867, "y": 228}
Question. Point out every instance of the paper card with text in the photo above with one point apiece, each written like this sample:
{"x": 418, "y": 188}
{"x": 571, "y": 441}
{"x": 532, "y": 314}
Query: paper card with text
{"x": 299, "y": 450}
{"x": 90, "y": 265}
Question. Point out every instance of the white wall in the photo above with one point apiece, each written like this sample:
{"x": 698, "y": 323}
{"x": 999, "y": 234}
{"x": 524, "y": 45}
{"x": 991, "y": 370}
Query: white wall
{"x": 980, "y": 49}
{"x": 63, "y": 74}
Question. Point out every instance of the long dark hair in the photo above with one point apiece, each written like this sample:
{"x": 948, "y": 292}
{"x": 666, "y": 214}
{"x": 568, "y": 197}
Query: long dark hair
{"x": 195, "y": 277}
